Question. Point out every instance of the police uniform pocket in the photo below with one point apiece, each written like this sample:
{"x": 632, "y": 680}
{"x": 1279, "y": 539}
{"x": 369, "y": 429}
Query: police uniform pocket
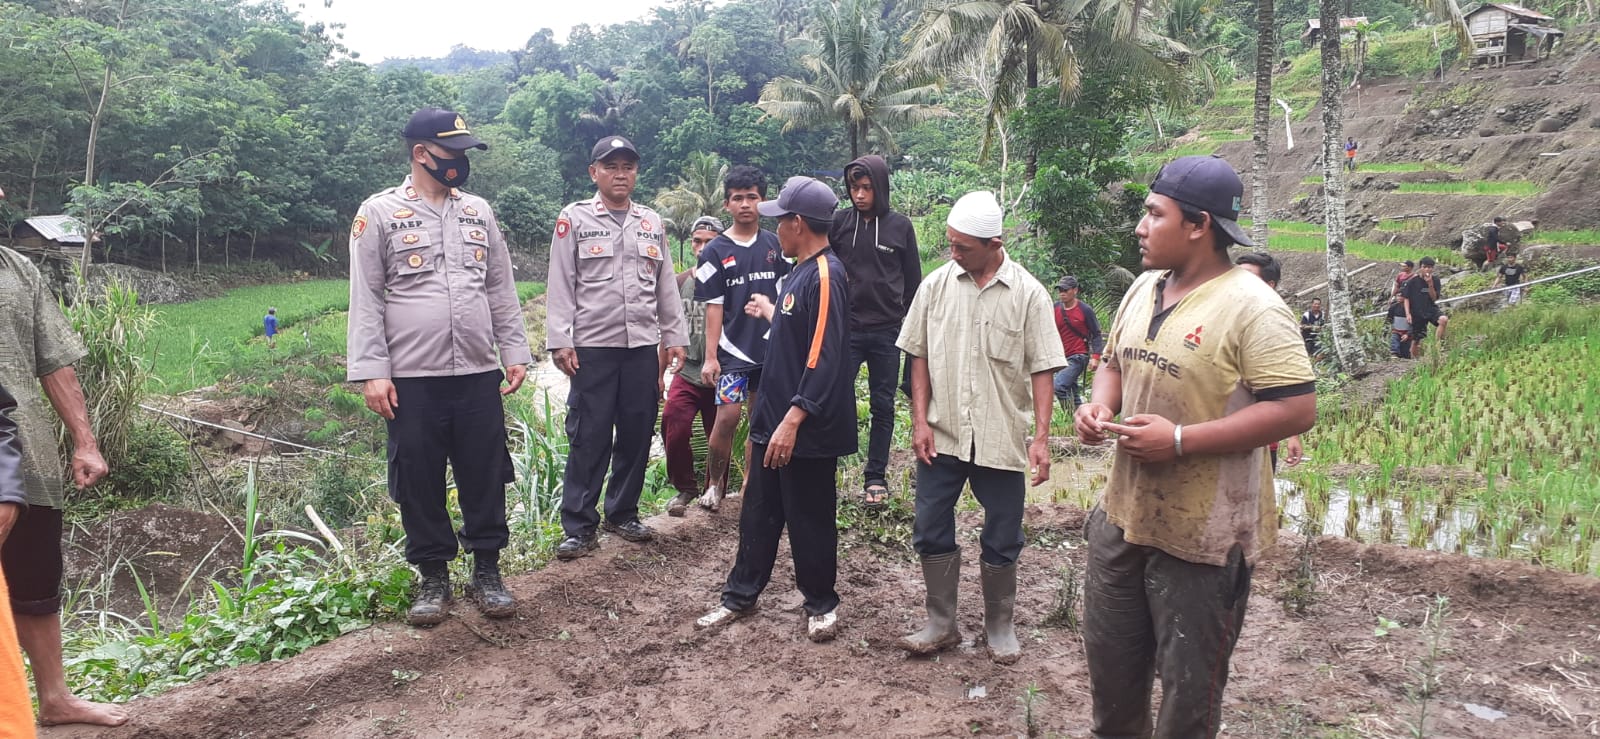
{"x": 595, "y": 263}
{"x": 476, "y": 239}
{"x": 413, "y": 251}
{"x": 649, "y": 264}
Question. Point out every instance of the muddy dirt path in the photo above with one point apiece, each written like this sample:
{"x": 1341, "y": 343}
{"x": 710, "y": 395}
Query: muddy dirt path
{"x": 605, "y": 647}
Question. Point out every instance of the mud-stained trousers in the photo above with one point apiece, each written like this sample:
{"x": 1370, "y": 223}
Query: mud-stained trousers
{"x": 611, "y": 415}
{"x": 1144, "y": 609}
{"x": 459, "y": 420}
{"x": 803, "y": 495}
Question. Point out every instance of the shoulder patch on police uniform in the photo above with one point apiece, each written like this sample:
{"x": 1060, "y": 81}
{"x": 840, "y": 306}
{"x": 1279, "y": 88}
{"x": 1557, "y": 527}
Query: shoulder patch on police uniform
{"x": 562, "y": 227}
{"x": 358, "y": 227}
{"x": 404, "y": 213}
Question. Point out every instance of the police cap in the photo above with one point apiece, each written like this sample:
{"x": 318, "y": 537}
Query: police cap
{"x": 443, "y": 127}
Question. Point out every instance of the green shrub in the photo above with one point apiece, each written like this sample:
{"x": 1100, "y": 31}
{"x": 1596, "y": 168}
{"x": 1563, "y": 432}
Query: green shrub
{"x": 154, "y": 461}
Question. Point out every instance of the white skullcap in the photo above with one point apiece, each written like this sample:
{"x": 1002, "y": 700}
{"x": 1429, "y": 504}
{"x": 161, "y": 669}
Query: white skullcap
{"x": 977, "y": 214}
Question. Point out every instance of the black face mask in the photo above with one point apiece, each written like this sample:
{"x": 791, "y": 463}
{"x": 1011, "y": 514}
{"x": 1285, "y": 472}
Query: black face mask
{"x": 450, "y": 172}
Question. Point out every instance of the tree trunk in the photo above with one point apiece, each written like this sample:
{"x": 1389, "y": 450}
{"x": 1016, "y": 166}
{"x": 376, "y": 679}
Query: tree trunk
{"x": 253, "y": 234}
{"x": 1260, "y": 168}
{"x": 1341, "y": 314}
{"x": 1031, "y": 156}
{"x": 163, "y": 250}
{"x": 197, "y": 243}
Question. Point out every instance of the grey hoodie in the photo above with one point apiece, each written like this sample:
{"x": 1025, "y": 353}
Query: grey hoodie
{"x": 879, "y": 250}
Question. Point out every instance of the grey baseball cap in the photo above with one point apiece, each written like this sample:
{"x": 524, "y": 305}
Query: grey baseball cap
{"x": 1067, "y": 283}
{"x": 706, "y": 223}
{"x": 802, "y": 196}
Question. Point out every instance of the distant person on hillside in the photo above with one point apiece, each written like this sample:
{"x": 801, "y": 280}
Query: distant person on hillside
{"x": 879, "y": 247}
{"x": 1407, "y": 268}
{"x": 1205, "y": 366}
{"x": 1496, "y": 241}
{"x": 689, "y": 395}
{"x": 1311, "y": 323}
{"x": 38, "y": 349}
{"x": 1270, "y": 270}
{"x": 1081, "y": 341}
{"x": 983, "y": 351}
{"x": 613, "y": 307}
{"x": 270, "y": 323}
{"x": 804, "y": 420}
{"x": 1511, "y": 274}
{"x": 1350, "y": 154}
{"x": 743, "y": 262}
{"x": 434, "y": 317}
{"x": 1421, "y": 297}
{"x": 1399, "y": 329}
{"x": 16, "y": 708}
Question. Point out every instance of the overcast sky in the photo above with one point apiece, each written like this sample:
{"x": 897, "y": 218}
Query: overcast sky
{"x": 381, "y": 29}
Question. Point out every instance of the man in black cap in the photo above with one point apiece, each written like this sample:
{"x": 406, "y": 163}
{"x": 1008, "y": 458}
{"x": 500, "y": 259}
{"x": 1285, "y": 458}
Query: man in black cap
{"x": 613, "y": 314}
{"x": 434, "y": 318}
{"x": 803, "y": 422}
{"x": 1206, "y": 367}
{"x": 1081, "y": 341}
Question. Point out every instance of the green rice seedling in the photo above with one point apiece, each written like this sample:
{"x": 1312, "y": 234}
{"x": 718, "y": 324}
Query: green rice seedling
{"x": 1515, "y": 188}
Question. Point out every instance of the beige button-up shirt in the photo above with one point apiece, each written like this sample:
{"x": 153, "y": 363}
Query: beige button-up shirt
{"x": 983, "y": 347}
{"x": 431, "y": 290}
{"x": 611, "y": 284}
{"x": 35, "y": 340}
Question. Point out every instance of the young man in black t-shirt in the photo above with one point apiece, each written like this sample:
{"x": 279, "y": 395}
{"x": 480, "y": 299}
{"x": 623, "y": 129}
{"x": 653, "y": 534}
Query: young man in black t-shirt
{"x": 804, "y": 420}
{"x": 1511, "y": 274}
{"x": 742, "y": 263}
{"x": 1421, "y": 296}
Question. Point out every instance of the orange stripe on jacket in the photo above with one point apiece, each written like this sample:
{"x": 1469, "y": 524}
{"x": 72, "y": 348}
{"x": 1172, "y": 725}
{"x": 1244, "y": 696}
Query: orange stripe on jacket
{"x": 822, "y": 315}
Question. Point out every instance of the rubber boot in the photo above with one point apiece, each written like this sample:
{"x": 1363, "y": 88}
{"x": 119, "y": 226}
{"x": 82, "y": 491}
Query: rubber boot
{"x": 942, "y": 575}
{"x": 999, "y": 600}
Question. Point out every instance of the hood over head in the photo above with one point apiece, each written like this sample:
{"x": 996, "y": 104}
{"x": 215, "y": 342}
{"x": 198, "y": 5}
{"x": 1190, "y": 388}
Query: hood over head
{"x": 878, "y": 169}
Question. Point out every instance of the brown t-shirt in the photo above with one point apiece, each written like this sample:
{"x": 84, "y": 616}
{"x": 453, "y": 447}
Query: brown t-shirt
{"x": 1227, "y": 344}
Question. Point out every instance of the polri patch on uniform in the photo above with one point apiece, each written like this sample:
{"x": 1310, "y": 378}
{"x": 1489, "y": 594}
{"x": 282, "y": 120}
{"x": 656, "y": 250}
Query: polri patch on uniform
{"x": 652, "y": 252}
{"x": 358, "y": 227}
{"x": 478, "y": 254}
{"x": 469, "y": 210}
{"x": 411, "y": 193}
{"x": 409, "y": 239}
{"x": 645, "y": 224}
{"x": 562, "y": 227}
{"x": 477, "y": 234}
{"x": 415, "y": 260}
{"x": 404, "y": 213}
{"x": 597, "y": 250}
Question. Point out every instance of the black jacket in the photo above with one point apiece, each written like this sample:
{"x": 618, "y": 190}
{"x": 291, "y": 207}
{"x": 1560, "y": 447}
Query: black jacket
{"x": 11, "y": 490}
{"x": 879, "y": 248}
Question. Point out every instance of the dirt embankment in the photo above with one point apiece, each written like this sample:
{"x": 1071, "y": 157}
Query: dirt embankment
{"x": 605, "y": 647}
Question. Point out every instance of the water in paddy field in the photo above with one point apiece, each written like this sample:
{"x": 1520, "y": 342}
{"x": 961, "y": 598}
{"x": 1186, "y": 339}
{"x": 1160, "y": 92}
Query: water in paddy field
{"x": 1444, "y": 528}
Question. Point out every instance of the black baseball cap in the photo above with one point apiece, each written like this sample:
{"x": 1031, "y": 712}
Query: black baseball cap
{"x": 443, "y": 127}
{"x": 1206, "y": 183}
{"x": 1067, "y": 283}
{"x": 610, "y": 145}
{"x": 802, "y": 196}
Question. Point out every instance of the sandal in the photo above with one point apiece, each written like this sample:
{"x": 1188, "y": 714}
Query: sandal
{"x": 875, "y": 495}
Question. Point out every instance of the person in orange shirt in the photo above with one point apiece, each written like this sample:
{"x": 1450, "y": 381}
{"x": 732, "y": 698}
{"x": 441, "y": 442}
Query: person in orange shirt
{"x": 16, "y": 708}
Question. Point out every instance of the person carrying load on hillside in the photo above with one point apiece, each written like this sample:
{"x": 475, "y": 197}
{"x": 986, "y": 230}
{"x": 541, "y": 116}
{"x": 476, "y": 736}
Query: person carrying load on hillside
{"x": 983, "y": 352}
{"x": 1206, "y": 367}
{"x": 879, "y": 247}
{"x": 1421, "y": 300}
{"x": 434, "y": 317}
{"x": 16, "y": 708}
{"x": 614, "y": 314}
{"x": 269, "y": 323}
{"x": 1350, "y": 154}
{"x": 1511, "y": 274}
{"x": 38, "y": 349}
{"x": 804, "y": 420}
{"x": 1081, "y": 341}
{"x": 1495, "y": 243}
{"x": 742, "y": 263}
{"x": 689, "y": 394}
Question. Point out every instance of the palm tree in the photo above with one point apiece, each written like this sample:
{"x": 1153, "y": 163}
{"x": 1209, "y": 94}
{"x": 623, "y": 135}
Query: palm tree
{"x": 698, "y": 193}
{"x": 856, "y": 80}
{"x": 1260, "y": 168}
{"x": 1027, "y": 43}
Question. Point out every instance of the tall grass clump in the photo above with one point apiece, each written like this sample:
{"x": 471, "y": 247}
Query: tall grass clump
{"x": 116, "y": 331}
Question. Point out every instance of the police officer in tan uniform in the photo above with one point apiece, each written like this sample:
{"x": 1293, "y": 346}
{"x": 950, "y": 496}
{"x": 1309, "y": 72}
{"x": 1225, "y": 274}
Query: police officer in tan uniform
{"x": 434, "y": 317}
{"x": 612, "y": 302}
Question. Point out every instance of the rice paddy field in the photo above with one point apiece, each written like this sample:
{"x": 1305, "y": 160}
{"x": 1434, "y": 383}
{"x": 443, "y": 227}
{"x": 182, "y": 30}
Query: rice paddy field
{"x": 1311, "y": 237}
{"x": 1487, "y": 451}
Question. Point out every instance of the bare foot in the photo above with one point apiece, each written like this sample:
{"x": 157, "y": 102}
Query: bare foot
{"x": 75, "y": 710}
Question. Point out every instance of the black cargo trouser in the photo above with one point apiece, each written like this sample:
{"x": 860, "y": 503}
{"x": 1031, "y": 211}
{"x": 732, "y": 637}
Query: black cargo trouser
{"x": 802, "y": 495}
{"x": 611, "y": 417}
{"x": 459, "y": 420}
{"x": 1145, "y": 609}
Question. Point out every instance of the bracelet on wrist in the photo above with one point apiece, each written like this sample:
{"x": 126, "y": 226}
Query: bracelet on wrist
{"x": 1177, "y": 439}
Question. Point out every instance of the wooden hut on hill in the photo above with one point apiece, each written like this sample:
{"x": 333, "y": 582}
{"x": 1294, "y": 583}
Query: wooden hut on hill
{"x": 1503, "y": 34}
